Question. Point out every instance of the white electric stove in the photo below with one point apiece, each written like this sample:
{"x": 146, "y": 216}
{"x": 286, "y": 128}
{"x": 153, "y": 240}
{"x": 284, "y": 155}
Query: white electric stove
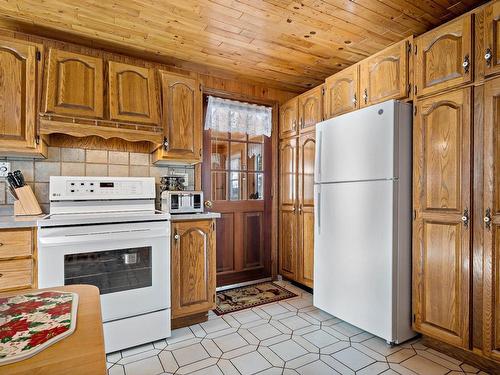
{"x": 105, "y": 231}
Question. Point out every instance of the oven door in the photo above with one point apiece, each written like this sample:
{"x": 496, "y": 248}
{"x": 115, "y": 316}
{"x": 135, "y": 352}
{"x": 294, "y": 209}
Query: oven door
{"x": 128, "y": 262}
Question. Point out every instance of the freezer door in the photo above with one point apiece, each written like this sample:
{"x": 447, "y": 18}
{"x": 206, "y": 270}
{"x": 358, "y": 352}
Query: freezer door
{"x": 357, "y": 146}
{"x": 353, "y": 254}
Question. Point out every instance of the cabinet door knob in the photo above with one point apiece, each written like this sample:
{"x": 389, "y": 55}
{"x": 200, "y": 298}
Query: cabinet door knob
{"x": 354, "y": 99}
{"x": 165, "y": 143}
{"x": 487, "y": 218}
{"x": 176, "y": 237}
{"x": 365, "y": 96}
{"x": 465, "y": 218}
{"x": 466, "y": 64}
{"x": 300, "y": 209}
{"x": 487, "y": 56}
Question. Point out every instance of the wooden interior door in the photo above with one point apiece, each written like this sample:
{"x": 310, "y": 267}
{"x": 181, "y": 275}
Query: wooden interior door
{"x": 492, "y": 38}
{"x": 182, "y": 111}
{"x": 74, "y": 84}
{"x": 237, "y": 183}
{"x": 18, "y": 90}
{"x": 305, "y": 248}
{"x": 193, "y": 258}
{"x": 289, "y": 115}
{"x": 442, "y": 228}
{"x": 132, "y": 93}
{"x": 444, "y": 57}
{"x": 342, "y": 92}
{"x": 288, "y": 233}
{"x": 385, "y": 75}
{"x": 491, "y": 225}
{"x": 310, "y": 108}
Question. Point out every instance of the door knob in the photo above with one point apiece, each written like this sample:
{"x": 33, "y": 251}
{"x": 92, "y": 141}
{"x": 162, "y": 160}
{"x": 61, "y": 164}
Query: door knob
{"x": 208, "y": 204}
{"x": 176, "y": 237}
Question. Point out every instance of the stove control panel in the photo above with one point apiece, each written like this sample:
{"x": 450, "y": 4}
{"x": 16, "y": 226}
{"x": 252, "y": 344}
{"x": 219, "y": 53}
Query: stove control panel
{"x": 95, "y": 188}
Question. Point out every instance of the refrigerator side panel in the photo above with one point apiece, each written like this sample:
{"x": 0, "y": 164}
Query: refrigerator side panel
{"x": 353, "y": 254}
{"x": 403, "y": 230}
{"x": 357, "y": 146}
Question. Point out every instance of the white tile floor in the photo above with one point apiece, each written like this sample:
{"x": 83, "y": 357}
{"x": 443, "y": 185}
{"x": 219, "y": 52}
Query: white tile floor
{"x": 289, "y": 337}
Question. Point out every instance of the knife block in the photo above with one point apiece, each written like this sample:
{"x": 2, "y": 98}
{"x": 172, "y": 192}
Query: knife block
{"x": 26, "y": 204}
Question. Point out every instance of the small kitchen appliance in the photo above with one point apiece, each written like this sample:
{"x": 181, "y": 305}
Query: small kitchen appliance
{"x": 105, "y": 231}
{"x": 182, "y": 202}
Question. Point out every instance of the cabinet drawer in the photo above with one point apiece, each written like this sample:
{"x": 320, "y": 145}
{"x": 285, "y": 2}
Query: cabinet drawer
{"x": 16, "y": 273}
{"x": 16, "y": 243}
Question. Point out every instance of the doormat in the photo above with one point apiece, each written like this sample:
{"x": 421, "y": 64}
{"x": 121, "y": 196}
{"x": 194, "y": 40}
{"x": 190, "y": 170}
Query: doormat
{"x": 245, "y": 297}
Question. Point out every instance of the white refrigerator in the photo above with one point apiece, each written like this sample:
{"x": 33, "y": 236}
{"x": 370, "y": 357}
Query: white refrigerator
{"x": 363, "y": 200}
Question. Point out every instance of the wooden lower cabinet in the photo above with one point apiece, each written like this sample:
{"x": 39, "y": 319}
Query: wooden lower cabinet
{"x": 192, "y": 269}
{"x": 442, "y": 225}
{"x": 17, "y": 259}
{"x": 296, "y": 237}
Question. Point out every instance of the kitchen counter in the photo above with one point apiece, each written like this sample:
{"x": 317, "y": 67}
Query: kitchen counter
{"x": 203, "y": 216}
{"x": 7, "y": 222}
{"x": 80, "y": 353}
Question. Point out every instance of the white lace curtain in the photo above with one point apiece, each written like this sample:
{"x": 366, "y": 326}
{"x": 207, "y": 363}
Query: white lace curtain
{"x": 232, "y": 116}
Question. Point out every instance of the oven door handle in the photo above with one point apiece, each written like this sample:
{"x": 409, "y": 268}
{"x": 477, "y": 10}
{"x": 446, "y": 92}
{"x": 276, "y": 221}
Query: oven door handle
{"x": 101, "y": 236}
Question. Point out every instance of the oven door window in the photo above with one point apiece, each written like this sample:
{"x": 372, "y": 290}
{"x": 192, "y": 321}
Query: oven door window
{"x": 111, "y": 271}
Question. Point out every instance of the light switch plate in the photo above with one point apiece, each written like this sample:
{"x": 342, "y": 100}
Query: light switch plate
{"x": 4, "y": 168}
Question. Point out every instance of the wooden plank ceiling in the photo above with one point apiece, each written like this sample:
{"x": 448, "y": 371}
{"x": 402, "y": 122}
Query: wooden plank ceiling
{"x": 291, "y": 44}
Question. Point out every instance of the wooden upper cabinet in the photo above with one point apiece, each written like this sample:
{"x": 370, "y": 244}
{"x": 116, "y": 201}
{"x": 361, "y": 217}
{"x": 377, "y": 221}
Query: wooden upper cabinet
{"x": 342, "y": 92}
{"x": 132, "y": 94}
{"x": 305, "y": 247}
{"x": 442, "y": 228}
{"x": 491, "y": 228}
{"x": 310, "y": 108}
{"x": 18, "y": 93}
{"x": 385, "y": 75}
{"x": 182, "y": 122}
{"x": 289, "y": 117}
{"x": 444, "y": 57}
{"x": 193, "y": 267}
{"x": 74, "y": 85}
{"x": 492, "y": 38}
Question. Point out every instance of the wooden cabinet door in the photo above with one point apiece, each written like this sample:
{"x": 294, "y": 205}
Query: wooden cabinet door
{"x": 18, "y": 93}
{"x": 492, "y": 38}
{"x": 132, "y": 94}
{"x": 288, "y": 208}
{"x": 310, "y": 108}
{"x": 385, "y": 75}
{"x": 182, "y": 108}
{"x": 289, "y": 114}
{"x": 73, "y": 84}
{"x": 442, "y": 228}
{"x": 491, "y": 225}
{"x": 193, "y": 267}
{"x": 305, "y": 248}
{"x": 342, "y": 92}
{"x": 444, "y": 57}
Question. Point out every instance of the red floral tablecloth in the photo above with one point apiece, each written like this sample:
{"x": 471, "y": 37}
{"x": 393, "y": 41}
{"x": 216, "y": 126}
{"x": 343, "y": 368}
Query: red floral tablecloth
{"x": 31, "y": 322}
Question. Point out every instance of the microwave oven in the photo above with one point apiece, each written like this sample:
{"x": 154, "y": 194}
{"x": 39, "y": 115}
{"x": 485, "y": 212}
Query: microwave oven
{"x": 182, "y": 202}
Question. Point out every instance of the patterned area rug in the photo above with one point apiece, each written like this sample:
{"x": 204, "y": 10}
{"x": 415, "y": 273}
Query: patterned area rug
{"x": 250, "y": 296}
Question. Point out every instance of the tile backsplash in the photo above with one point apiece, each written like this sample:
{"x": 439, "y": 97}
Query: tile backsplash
{"x": 80, "y": 162}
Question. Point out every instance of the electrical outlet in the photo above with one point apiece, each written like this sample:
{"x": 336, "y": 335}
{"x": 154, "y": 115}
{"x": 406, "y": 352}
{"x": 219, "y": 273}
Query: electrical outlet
{"x": 4, "y": 168}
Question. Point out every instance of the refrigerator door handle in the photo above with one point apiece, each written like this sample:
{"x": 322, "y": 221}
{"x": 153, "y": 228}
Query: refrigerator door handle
{"x": 320, "y": 143}
{"x": 318, "y": 210}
